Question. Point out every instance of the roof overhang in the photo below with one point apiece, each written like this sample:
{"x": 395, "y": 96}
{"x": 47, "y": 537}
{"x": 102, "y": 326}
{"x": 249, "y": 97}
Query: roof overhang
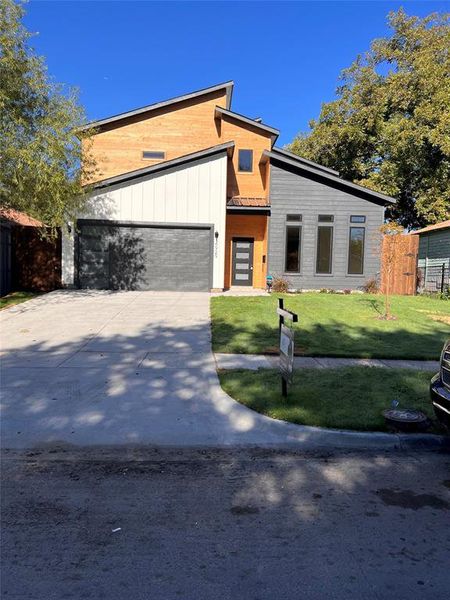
{"x": 249, "y": 210}
{"x": 226, "y": 148}
{"x": 304, "y": 161}
{"x": 221, "y": 112}
{"x": 227, "y": 86}
{"x": 329, "y": 178}
{"x": 435, "y": 227}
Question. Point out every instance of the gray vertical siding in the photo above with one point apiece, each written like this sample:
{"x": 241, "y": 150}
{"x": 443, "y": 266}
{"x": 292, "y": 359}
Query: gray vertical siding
{"x": 434, "y": 247}
{"x": 291, "y": 192}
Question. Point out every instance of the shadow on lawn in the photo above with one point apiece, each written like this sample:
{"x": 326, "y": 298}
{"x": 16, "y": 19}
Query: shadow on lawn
{"x": 202, "y": 516}
{"x": 335, "y": 339}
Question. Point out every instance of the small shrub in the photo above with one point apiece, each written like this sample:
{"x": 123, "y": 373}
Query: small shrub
{"x": 347, "y": 291}
{"x": 323, "y": 291}
{"x": 280, "y": 284}
{"x": 370, "y": 286}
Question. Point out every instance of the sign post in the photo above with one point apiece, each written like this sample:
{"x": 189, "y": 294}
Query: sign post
{"x": 286, "y": 346}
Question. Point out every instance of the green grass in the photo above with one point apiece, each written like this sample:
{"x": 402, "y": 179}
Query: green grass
{"x": 348, "y": 398}
{"x": 334, "y": 325}
{"x": 15, "y": 298}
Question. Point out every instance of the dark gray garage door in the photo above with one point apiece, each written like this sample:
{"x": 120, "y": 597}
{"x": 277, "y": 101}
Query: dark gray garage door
{"x": 112, "y": 256}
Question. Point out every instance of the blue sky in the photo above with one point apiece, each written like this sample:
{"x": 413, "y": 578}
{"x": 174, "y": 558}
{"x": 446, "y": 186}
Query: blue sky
{"x": 285, "y": 57}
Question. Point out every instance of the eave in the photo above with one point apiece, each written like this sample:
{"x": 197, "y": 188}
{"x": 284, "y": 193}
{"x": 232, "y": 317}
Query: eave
{"x": 221, "y": 112}
{"x": 227, "y": 86}
{"x": 329, "y": 178}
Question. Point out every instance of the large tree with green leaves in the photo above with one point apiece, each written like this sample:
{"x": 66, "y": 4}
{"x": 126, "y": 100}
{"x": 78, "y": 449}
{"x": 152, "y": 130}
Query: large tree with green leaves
{"x": 41, "y": 166}
{"x": 389, "y": 128}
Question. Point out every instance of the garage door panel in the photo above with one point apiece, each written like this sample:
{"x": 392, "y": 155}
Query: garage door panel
{"x": 144, "y": 258}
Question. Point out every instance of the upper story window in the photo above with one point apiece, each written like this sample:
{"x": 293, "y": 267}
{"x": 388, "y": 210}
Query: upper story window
{"x": 245, "y": 161}
{"x": 153, "y": 155}
{"x": 326, "y": 218}
{"x": 357, "y": 219}
{"x": 293, "y": 218}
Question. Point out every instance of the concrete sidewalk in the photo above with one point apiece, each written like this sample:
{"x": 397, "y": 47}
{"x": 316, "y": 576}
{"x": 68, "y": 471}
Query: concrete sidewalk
{"x": 254, "y": 362}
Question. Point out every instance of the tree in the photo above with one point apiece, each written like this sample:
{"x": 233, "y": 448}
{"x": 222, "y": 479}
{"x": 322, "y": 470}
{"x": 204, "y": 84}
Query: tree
{"x": 389, "y": 128}
{"x": 41, "y": 166}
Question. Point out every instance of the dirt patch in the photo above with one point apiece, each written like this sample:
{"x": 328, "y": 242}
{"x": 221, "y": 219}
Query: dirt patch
{"x": 441, "y": 318}
{"x": 435, "y": 316}
{"x": 408, "y": 499}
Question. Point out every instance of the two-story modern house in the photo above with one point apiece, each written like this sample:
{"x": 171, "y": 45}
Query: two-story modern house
{"x": 193, "y": 196}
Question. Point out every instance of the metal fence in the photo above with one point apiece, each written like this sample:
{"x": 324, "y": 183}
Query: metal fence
{"x": 434, "y": 278}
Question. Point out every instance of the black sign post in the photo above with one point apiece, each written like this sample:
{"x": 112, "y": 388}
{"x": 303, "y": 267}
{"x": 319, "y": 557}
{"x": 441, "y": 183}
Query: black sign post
{"x": 286, "y": 335}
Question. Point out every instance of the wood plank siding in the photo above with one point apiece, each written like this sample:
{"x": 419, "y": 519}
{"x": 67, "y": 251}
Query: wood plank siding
{"x": 177, "y": 130}
{"x": 292, "y": 193}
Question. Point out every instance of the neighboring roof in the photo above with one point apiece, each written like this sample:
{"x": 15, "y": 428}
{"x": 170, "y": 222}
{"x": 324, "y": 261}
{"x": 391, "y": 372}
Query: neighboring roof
{"x": 305, "y": 161}
{"x": 248, "y": 202}
{"x": 167, "y": 164}
{"x": 376, "y": 196}
{"x": 441, "y": 225}
{"x": 19, "y": 218}
{"x": 227, "y": 86}
{"x": 220, "y": 112}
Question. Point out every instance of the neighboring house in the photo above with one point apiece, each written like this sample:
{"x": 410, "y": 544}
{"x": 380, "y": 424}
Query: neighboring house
{"x": 28, "y": 261}
{"x": 434, "y": 255}
{"x": 193, "y": 196}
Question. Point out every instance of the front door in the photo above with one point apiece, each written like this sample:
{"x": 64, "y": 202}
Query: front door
{"x": 242, "y": 265}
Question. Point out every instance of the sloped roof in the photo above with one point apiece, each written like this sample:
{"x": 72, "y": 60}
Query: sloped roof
{"x": 19, "y": 218}
{"x": 441, "y": 225}
{"x": 305, "y": 161}
{"x": 227, "y": 86}
{"x": 167, "y": 164}
{"x": 376, "y": 197}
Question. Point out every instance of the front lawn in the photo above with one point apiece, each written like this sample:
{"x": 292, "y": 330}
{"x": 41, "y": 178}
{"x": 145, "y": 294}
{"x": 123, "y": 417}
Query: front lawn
{"x": 16, "y": 298}
{"x": 349, "y": 398}
{"x": 333, "y": 325}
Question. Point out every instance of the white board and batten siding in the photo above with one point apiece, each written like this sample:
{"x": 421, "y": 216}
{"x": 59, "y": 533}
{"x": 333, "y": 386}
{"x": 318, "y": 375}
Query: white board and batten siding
{"x": 193, "y": 193}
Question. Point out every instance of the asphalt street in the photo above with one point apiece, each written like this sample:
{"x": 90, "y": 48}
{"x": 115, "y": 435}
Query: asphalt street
{"x": 165, "y": 524}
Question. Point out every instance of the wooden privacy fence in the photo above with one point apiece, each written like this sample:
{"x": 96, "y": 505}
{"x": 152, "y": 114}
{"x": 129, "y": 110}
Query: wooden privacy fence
{"x": 399, "y": 264}
{"x": 36, "y": 261}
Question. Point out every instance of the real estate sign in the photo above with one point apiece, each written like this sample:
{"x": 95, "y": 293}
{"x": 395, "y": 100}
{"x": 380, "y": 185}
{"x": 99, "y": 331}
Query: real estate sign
{"x": 286, "y": 353}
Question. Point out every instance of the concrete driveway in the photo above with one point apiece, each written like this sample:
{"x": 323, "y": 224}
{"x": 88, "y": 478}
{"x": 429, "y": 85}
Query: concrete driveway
{"x": 106, "y": 368}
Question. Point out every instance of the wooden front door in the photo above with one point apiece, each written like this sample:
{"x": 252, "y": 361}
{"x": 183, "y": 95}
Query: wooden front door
{"x": 242, "y": 262}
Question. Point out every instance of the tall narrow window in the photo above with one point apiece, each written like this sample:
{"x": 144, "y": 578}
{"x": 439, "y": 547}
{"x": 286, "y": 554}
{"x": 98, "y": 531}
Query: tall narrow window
{"x": 245, "y": 161}
{"x": 356, "y": 251}
{"x": 324, "y": 259}
{"x": 293, "y": 241}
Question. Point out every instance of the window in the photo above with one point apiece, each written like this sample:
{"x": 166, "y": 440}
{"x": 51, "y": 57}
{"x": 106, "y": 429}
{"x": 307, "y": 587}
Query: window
{"x": 357, "y": 219}
{"x": 356, "y": 251}
{"x": 245, "y": 161}
{"x": 153, "y": 155}
{"x": 324, "y": 257}
{"x": 293, "y": 240}
{"x": 326, "y": 218}
{"x": 293, "y": 217}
